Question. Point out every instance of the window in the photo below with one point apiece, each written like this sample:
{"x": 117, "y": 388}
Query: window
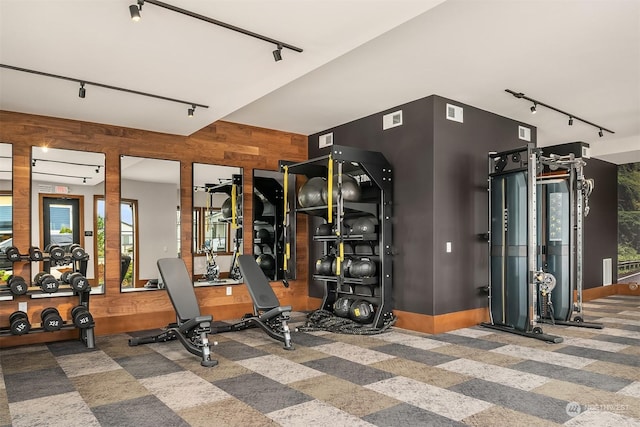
{"x": 210, "y": 230}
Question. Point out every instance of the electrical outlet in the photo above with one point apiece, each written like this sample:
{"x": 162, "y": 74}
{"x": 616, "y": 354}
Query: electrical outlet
{"x": 448, "y": 247}
{"x": 22, "y": 306}
{"x": 229, "y": 288}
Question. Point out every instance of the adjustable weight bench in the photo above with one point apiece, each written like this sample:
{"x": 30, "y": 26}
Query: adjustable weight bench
{"x": 193, "y": 328}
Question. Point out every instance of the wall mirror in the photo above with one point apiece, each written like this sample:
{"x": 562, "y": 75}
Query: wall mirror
{"x": 149, "y": 219}
{"x": 217, "y": 224}
{"x": 67, "y": 207}
{"x": 6, "y": 210}
{"x": 274, "y": 238}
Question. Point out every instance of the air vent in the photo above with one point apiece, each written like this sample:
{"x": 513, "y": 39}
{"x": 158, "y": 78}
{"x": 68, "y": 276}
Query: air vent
{"x": 392, "y": 120}
{"x": 524, "y": 133}
{"x": 455, "y": 113}
{"x": 325, "y": 140}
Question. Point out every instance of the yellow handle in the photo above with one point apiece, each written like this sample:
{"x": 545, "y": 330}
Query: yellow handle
{"x": 234, "y": 224}
{"x": 286, "y": 194}
{"x": 340, "y": 258}
{"x": 330, "y": 191}
{"x": 287, "y": 255}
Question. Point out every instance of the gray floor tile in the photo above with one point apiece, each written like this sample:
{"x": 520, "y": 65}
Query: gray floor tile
{"x": 30, "y": 384}
{"x": 617, "y": 340}
{"x": 308, "y": 340}
{"x": 148, "y": 365}
{"x": 347, "y": 370}
{"x": 141, "y": 412}
{"x": 64, "y": 348}
{"x": 577, "y": 376}
{"x": 261, "y": 393}
{"x": 409, "y": 415}
{"x": 467, "y": 341}
{"x": 234, "y": 350}
{"x": 534, "y": 404}
{"x": 605, "y": 356}
{"x": 427, "y": 357}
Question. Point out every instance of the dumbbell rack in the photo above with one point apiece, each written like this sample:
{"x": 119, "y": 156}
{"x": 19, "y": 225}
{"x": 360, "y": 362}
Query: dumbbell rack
{"x": 87, "y": 335}
{"x": 376, "y": 170}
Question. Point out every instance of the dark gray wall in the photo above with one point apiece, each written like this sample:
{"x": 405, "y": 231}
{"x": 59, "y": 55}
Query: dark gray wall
{"x": 440, "y": 176}
{"x": 601, "y": 225}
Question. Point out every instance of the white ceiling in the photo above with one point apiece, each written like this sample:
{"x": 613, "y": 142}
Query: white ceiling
{"x": 360, "y": 57}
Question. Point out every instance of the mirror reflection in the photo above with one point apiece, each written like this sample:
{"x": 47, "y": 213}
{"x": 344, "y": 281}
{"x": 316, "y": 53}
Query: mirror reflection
{"x": 149, "y": 219}
{"x": 6, "y": 210}
{"x": 66, "y": 189}
{"x": 273, "y": 236}
{"x": 217, "y": 224}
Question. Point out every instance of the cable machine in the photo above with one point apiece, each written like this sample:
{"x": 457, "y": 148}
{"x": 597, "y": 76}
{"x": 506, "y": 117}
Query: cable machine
{"x": 537, "y": 204}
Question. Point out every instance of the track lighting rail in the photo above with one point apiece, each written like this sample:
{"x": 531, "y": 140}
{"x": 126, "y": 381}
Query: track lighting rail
{"x": 83, "y": 82}
{"x": 572, "y": 117}
{"x": 219, "y": 23}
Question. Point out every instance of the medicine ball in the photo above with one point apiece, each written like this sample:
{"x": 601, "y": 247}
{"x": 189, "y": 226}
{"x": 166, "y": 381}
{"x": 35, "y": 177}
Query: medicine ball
{"x": 363, "y": 225}
{"x": 341, "y": 306}
{"x": 264, "y": 235}
{"x": 226, "y": 208}
{"x": 346, "y": 265}
{"x": 325, "y": 229}
{"x": 362, "y": 267}
{"x": 350, "y": 189}
{"x": 323, "y": 265}
{"x": 361, "y": 311}
{"x": 257, "y": 250}
{"x": 266, "y": 262}
{"x": 310, "y": 193}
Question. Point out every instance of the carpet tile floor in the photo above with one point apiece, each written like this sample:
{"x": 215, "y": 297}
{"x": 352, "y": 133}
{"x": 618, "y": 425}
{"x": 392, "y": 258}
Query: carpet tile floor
{"x": 473, "y": 376}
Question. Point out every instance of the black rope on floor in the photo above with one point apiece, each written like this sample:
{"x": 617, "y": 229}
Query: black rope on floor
{"x": 323, "y": 320}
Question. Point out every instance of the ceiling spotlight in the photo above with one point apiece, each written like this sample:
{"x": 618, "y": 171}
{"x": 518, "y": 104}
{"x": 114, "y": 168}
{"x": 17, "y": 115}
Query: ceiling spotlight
{"x": 277, "y": 54}
{"x": 33, "y": 162}
{"x": 600, "y": 133}
{"x": 84, "y": 180}
{"x": 533, "y": 108}
{"x": 135, "y": 9}
{"x": 191, "y": 110}
{"x": 82, "y": 92}
{"x": 98, "y": 169}
{"x": 570, "y": 121}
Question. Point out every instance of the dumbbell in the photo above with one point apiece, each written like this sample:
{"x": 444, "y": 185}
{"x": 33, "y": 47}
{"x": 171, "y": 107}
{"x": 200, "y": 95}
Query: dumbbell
{"x": 51, "y": 320}
{"x": 13, "y": 254}
{"x": 17, "y": 285}
{"x": 81, "y": 317}
{"x": 55, "y": 251}
{"x": 47, "y": 282}
{"x": 19, "y": 323}
{"x": 35, "y": 254}
{"x": 77, "y": 281}
{"x": 77, "y": 252}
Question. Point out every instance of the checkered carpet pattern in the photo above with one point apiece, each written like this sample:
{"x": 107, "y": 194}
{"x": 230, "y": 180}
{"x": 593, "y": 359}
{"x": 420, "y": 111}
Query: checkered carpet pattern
{"x": 473, "y": 376}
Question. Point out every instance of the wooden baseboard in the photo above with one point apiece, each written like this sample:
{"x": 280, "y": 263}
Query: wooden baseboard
{"x": 443, "y": 322}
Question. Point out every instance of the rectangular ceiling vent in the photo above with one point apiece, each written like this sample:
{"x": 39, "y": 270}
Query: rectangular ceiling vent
{"x": 392, "y": 120}
{"x": 325, "y": 140}
{"x": 455, "y": 113}
{"x": 524, "y": 133}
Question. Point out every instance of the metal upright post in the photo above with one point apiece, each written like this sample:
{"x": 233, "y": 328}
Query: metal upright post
{"x": 532, "y": 234}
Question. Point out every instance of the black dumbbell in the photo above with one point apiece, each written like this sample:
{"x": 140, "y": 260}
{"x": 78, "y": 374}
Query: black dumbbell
{"x": 77, "y": 252}
{"x": 17, "y": 285}
{"x": 19, "y": 323}
{"x": 35, "y": 254}
{"x": 46, "y": 282}
{"x": 12, "y": 253}
{"x": 51, "y": 320}
{"x": 81, "y": 317}
{"x": 77, "y": 281}
{"x": 55, "y": 251}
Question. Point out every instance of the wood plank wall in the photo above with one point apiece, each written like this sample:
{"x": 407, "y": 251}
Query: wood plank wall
{"x": 221, "y": 143}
